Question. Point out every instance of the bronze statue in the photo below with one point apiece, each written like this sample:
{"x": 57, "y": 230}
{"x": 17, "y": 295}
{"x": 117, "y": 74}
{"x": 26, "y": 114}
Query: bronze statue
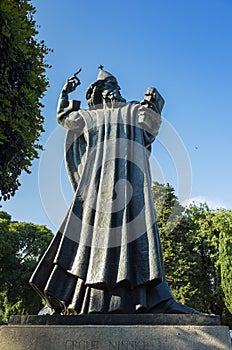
{"x": 106, "y": 257}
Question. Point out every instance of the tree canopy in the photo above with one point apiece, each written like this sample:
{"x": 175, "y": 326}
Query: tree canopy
{"x": 22, "y": 245}
{"x": 197, "y": 252}
{"x": 22, "y": 84}
{"x": 223, "y": 222}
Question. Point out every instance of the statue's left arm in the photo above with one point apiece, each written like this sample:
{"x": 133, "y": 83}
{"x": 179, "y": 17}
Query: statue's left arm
{"x": 149, "y": 120}
{"x": 149, "y": 116}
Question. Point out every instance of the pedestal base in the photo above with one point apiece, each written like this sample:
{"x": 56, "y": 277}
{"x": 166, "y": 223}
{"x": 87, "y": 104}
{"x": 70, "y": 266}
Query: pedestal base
{"x": 115, "y": 337}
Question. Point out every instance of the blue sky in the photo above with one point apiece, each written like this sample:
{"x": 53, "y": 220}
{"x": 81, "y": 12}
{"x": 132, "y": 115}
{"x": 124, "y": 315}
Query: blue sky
{"x": 184, "y": 48}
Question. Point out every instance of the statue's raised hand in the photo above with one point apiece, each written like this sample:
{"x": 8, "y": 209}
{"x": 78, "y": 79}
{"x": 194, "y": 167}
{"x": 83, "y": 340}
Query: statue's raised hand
{"x": 72, "y": 83}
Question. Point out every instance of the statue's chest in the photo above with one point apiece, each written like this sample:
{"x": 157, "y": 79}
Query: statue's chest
{"x": 113, "y": 123}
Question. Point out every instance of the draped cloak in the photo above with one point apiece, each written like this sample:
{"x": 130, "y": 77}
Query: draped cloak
{"x": 106, "y": 256}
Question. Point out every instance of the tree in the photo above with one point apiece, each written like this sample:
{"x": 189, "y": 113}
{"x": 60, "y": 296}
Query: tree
{"x": 179, "y": 262}
{"x": 197, "y": 252}
{"x": 205, "y": 242}
{"x": 22, "y": 84}
{"x": 21, "y": 247}
{"x": 223, "y": 222}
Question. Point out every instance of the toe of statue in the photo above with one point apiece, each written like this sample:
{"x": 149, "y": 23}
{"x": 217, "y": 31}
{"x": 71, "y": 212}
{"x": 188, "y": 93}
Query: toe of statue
{"x": 173, "y": 307}
{"x": 46, "y": 310}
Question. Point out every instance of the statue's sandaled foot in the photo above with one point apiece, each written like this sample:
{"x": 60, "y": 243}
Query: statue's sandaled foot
{"x": 46, "y": 310}
{"x": 173, "y": 307}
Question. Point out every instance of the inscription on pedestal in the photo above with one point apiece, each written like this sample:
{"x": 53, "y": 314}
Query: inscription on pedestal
{"x": 81, "y": 345}
{"x": 111, "y": 345}
{"x": 129, "y": 345}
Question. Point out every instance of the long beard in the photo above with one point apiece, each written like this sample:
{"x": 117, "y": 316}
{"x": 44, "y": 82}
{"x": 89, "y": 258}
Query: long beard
{"x": 112, "y": 96}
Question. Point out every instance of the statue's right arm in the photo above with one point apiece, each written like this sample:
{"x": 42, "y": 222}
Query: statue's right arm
{"x": 67, "y": 110}
{"x": 63, "y": 103}
{"x": 72, "y": 121}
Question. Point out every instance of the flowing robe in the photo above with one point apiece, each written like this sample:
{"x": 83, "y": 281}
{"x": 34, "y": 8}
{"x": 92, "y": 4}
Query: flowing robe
{"x": 106, "y": 257}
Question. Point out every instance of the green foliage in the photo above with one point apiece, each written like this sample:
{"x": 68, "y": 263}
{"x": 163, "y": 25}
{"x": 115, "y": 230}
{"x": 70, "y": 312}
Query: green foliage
{"x": 223, "y": 221}
{"x": 205, "y": 241}
{"x": 178, "y": 260}
{"x": 21, "y": 247}
{"x": 169, "y": 210}
{"x": 22, "y": 84}
{"x": 197, "y": 252}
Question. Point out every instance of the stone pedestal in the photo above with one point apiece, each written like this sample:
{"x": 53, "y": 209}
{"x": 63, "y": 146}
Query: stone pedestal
{"x": 114, "y": 332}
